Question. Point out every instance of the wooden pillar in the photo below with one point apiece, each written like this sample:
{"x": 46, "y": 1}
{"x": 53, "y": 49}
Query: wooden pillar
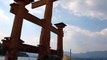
{"x": 16, "y": 30}
{"x": 16, "y": 33}
{"x": 44, "y": 47}
{"x": 60, "y": 27}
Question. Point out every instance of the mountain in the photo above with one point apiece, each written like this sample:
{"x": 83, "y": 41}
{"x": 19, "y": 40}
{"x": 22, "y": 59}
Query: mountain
{"x": 94, "y": 54}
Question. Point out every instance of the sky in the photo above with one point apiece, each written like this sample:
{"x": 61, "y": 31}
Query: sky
{"x": 86, "y": 22}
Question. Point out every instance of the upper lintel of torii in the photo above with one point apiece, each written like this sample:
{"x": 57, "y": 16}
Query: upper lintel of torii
{"x": 40, "y": 3}
{"x": 25, "y": 1}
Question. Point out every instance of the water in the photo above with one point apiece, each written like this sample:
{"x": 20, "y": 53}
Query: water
{"x": 20, "y": 58}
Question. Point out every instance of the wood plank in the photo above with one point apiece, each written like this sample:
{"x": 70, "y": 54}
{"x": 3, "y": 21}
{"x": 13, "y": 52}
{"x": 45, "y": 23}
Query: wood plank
{"x": 39, "y": 3}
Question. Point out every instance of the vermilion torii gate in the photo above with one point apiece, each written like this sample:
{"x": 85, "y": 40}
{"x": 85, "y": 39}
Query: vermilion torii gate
{"x": 14, "y": 44}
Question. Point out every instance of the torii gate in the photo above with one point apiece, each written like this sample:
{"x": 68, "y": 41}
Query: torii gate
{"x": 14, "y": 44}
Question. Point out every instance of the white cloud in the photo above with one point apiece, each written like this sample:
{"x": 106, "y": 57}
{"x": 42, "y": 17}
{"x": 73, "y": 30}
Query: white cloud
{"x": 81, "y": 40}
{"x": 2, "y": 35}
{"x": 32, "y": 41}
{"x": 3, "y": 15}
{"x": 90, "y": 8}
{"x": 6, "y": 2}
